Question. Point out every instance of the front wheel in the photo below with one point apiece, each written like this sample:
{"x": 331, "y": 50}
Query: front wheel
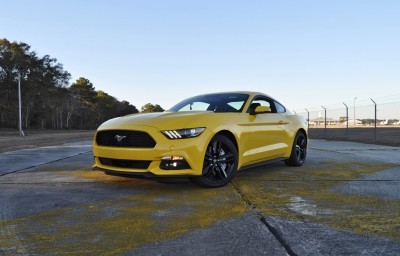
{"x": 220, "y": 163}
{"x": 299, "y": 151}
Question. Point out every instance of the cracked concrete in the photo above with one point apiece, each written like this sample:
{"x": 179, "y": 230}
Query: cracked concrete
{"x": 344, "y": 200}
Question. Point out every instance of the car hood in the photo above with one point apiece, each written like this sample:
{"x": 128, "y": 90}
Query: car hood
{"x": 159, "y": 120}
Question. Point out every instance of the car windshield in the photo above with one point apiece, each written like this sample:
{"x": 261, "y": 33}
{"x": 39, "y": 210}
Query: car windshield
{"x": 226, "y": 102}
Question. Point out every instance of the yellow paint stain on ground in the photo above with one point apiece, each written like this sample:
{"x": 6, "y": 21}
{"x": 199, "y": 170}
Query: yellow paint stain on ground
{"x": 308, "y": 193}
{"x": 120, "y": 225}
{"x": 156, "y": 211}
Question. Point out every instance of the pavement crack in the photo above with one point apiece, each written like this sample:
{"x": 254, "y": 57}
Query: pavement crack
{"x": 40, "y": 164}
{"x": 262, "y": 219}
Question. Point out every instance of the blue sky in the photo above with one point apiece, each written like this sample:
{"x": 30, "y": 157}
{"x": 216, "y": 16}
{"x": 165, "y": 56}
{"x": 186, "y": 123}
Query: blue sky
{"x": 303, "y": 53}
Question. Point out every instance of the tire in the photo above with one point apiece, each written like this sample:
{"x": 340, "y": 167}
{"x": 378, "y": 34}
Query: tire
{"x": 220, "y": 163}
{"x": 299, "y": 151}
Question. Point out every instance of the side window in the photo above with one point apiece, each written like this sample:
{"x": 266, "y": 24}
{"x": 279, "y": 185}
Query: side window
{"x": 237, "y": 105}
{"x": 261, "y": 101}
{"x": 279, "y": 108}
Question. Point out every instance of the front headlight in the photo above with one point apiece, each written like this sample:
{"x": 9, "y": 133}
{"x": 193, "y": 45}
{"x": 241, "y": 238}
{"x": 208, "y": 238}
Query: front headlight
{"x": 183, "y": 133}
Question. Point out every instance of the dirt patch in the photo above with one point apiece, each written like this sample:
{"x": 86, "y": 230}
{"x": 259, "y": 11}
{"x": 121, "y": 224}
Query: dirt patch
{"x": 384, "y": 135}
{"x": 10, "y": 139}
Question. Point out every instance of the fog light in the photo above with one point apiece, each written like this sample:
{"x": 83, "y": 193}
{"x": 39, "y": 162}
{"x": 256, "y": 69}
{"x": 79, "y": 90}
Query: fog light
{"x": 173, "y": 163}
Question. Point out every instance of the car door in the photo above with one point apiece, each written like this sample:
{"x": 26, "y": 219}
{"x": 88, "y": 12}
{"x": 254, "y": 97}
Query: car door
{"x": 267, "y": 131}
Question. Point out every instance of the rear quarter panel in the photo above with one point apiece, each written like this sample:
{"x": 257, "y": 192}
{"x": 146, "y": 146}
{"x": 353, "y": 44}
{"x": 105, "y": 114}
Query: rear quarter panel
{"x": 295, "y": 124}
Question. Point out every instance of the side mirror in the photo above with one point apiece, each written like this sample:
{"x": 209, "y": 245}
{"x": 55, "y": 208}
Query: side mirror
{"x": 260, "y": 109}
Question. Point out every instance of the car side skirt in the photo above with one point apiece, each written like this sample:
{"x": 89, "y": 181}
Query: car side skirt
{"x": 262, "y": 163}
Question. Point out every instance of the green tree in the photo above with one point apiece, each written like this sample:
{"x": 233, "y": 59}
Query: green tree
{"x": 14, "y": 59}
{"x": 41, "y": 79}
{"x": 89, "y": 108}
{"x": 47, "y": 101}
{"x": 84, "y": 90}
{"x": 125, "y": 108}
{"x": 152, "y": 108}
{"x": 85, "y": 114}
{"x": 105, "y": 106}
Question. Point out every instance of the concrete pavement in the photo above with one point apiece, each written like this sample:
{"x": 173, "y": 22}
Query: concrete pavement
{"x": 368, "y": 151}
{"x": 344, "y": 200}
{"x": 28, "y": 158}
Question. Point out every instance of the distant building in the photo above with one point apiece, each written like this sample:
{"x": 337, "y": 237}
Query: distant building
{"x": 321, "y": 121}
{"x": 351, "y": 122}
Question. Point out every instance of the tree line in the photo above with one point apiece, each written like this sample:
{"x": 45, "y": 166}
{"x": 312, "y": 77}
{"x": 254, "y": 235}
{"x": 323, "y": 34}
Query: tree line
{"x": 48, "y": 99}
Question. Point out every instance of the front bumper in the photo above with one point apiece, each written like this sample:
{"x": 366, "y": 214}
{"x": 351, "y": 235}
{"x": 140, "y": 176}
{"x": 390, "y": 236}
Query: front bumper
{"x": 192, "y": 150}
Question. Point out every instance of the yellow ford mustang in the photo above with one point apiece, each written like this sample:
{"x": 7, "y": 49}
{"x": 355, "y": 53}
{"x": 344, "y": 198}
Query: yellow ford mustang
{"x": 207, "y": 138}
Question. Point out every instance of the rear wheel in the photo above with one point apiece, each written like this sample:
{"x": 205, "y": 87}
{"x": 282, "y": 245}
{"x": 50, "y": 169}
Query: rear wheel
{"x": 299, "y": 150}
{"x": 220, "y": 163}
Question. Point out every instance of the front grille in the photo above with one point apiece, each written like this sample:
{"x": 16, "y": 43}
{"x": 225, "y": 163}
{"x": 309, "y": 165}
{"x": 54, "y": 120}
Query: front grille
{"x": 123, "y": 138}
{"x": 132, "y": 164}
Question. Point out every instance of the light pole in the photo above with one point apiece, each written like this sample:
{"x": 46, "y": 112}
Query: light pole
{"x": 355, "y": 123}
{"x": 374, "y": 118}
{"x": 347, "y": 118}
{"x": 21, "y": 132}
{"x": 308, "y": 118}
{"x": 325, "y": 118}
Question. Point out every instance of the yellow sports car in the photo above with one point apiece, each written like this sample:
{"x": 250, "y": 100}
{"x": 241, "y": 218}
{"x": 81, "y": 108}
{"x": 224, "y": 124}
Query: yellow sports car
{"x": 206, "y": 138}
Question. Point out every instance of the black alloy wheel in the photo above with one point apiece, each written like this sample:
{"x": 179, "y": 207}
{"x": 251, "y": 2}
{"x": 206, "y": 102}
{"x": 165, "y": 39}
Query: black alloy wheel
{"x": 299, "y": 150}
{"x": 220, "y": 163}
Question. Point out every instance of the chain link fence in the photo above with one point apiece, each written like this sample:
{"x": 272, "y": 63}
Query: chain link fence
{"x": 369, "y": 121}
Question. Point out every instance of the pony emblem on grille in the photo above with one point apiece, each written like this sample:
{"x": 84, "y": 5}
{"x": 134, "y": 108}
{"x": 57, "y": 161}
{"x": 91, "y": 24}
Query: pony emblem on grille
{"x": 119, "y": 138}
